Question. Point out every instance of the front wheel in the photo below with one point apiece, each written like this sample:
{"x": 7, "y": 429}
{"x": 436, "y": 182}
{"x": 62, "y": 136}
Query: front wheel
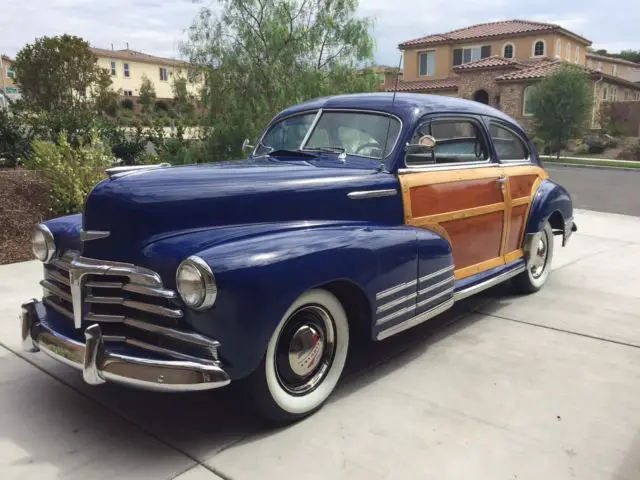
{"x": 304, "y": 360}
{"x": 539, "y": 268}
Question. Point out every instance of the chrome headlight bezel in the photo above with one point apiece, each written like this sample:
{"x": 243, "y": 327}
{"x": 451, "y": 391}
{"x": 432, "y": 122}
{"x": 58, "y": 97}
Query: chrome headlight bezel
{"x": 208, "y": 290}
{"x": 47, "y": 240}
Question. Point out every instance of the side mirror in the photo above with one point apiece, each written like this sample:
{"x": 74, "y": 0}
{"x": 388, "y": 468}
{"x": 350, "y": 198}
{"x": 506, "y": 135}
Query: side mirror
{"x": 246, "y": 145}
{"x": 426, "y": 144}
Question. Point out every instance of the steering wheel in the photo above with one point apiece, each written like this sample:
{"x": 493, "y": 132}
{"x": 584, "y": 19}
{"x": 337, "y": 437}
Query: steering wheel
{"x": 367, "y": 145}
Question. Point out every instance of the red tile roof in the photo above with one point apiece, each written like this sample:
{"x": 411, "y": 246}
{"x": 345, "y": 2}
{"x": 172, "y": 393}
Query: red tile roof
{"x": 494, "y": 61}
{"x": 606, "y": 58}
{"x": 542, "y": 69}
{"x": 426, "y": 85}
{"x": 488, "y": 30}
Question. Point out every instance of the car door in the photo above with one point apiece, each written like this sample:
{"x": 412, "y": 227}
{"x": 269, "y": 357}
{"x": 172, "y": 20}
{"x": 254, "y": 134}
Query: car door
{"x": 458, "y": 191}
{"x": 523, "y": 176}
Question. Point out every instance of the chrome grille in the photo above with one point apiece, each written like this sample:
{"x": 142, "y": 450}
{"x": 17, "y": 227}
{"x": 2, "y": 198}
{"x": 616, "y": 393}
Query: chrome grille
{"x": 129, "y": 303}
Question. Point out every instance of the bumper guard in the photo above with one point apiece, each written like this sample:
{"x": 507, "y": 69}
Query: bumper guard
{"x": 99, "y": 365}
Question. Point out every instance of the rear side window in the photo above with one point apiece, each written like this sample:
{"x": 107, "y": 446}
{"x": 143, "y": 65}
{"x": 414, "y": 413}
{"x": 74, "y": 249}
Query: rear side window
{"x": 457, "y": 141}
{"x": 509, "y": 146}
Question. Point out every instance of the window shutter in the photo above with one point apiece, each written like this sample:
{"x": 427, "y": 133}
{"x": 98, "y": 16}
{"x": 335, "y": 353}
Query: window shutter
{"x": 485, "y": 51}
{"x": 457, "y": 56}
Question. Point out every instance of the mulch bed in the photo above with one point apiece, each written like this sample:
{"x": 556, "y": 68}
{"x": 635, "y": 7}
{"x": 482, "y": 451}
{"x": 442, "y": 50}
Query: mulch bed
{"x": 24, "y": 201}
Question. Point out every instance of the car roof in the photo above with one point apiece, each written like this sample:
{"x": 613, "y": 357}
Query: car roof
{"x": 408, "y": 106}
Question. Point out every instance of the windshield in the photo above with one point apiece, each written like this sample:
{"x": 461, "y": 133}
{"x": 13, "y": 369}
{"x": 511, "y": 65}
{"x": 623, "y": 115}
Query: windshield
{"x": 355, "y": 133}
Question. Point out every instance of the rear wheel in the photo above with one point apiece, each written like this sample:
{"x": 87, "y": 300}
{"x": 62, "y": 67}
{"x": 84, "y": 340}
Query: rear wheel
{"x": 539, "y": 268}
{"x": 304, "y": 360}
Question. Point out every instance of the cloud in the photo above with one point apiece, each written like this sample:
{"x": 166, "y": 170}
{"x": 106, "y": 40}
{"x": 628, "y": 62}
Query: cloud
{"x": 156, "y": 26}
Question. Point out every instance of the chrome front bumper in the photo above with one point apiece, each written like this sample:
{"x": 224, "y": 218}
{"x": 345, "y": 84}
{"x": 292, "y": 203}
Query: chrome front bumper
{"x": 99, "y": 365}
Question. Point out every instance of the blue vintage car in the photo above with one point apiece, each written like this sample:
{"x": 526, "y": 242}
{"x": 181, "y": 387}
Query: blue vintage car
{"x": 367, "y": 213}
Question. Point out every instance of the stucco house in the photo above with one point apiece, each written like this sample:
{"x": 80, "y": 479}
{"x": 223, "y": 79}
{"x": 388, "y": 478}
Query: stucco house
{"x": 497, "y": 63}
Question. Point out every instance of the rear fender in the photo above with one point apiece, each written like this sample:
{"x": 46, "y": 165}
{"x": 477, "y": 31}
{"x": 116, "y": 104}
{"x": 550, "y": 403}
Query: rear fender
{"x": 552, "y": 203}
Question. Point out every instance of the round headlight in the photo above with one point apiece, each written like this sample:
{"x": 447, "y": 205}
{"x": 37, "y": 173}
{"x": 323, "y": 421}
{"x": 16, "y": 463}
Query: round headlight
{"x": 196, "y": 283}
{"x": 43, "y": 244}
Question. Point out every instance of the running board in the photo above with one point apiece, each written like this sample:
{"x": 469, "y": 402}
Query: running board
{"x": 447, "y": 304}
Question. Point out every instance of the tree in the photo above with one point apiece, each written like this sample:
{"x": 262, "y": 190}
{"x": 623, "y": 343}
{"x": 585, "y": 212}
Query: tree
{"x": 561, "y": 103}
{"x": 258, "y": 57}
{"x": 147, "y": 93}
{"x": 182, "y": 100}
{"x": 58, "y": 73}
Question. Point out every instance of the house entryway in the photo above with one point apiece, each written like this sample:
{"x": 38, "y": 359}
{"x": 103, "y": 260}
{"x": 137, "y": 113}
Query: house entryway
{"x": 481, "y": 96}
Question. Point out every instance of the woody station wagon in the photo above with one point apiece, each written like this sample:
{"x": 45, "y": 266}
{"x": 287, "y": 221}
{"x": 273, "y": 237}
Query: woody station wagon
{"x": 358, "y": 213}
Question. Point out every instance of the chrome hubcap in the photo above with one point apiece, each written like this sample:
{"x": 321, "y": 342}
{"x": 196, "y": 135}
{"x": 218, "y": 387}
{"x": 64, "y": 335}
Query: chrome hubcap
{"x": 305, "y": 349}
{"x": 539, "y": 257}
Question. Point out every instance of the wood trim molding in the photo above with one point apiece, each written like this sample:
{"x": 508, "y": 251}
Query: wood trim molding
{"x": 478, "y": 268}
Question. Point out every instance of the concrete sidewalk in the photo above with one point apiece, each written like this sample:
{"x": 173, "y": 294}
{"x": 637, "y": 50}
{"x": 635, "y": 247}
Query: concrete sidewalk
{"x": 542, "y": 386}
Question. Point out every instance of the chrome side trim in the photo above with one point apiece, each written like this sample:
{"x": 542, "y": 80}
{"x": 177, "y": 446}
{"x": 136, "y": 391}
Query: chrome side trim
{"x": 395, "y": 314}
{"x": 111, "y": 172}
{"x": 418, "y": 319}
{"x": 448, "y": 166}
{"x": 88, "y": 235}
{"x": 435, "y": 286}
{"x": 427, "y": 301}
{"x": 467, "y": 292}
{"x": 437, "y": 273}
{"x": 394, "y": 303}
{"x": 56, "y": 276}
{"x": 395, "y": 289}
{"x": 362, "y": 194}
{"x": 57, "y": 291}
{"x": 98, "y": 364}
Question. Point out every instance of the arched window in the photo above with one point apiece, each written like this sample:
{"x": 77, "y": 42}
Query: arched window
{"x": 558, "y": 48}
{"x": 568, "y": 53}
{"x": 538, "y": 48}
{"x": 526, "y": 101}
{"x": 508, "y": 50}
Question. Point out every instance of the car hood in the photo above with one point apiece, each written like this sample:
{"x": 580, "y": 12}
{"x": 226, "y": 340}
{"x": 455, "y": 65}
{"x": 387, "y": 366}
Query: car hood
{"x": 142, "y": 207}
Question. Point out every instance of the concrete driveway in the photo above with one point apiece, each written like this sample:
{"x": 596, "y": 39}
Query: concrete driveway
{"x": 543, "y": 386}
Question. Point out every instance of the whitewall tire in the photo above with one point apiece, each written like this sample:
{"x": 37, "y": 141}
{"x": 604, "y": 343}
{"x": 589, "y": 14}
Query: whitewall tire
{"x": 539, "y": 268}
{"x": 305, "y": 358}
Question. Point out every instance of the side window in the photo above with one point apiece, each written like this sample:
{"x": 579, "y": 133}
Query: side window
{"x": 287, "y": 134}
{"x": 457, "y": 141}
{"x": 508, "y": 145}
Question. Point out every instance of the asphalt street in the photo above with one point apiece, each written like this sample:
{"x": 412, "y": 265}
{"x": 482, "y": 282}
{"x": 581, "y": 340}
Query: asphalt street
{"x": 600, "y": 189}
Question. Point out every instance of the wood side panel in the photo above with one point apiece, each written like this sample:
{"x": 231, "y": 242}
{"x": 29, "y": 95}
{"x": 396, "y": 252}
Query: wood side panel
{"x": 521, "y": 185}
{"x": 475, "y": 239}
{"x": 517, "y": 225}
{"x": 432, "y": 199}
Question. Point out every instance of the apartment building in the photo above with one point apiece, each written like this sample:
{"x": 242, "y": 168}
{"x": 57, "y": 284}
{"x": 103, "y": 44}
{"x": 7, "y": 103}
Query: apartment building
{"x": 9, "y": 91}
{"x": 128, "y": 68}
{"x": 497, "y": 63}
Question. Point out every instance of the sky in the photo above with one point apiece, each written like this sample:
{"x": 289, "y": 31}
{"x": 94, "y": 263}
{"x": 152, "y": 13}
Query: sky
{"x": 157, "y": 26}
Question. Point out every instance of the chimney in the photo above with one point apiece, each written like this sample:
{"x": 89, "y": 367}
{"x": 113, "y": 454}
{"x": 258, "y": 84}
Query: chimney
{"x": 127, "y": 45}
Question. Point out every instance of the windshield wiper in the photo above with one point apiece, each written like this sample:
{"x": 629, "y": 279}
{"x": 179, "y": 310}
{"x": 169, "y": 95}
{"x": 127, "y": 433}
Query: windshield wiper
{"x": 327, "y": 149}
{"x": 283, "y": 152}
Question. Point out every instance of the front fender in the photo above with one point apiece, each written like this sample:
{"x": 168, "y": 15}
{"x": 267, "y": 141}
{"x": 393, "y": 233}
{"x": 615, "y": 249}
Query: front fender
{"x": 553, "y": 203}
{"x": 259, "y": 276}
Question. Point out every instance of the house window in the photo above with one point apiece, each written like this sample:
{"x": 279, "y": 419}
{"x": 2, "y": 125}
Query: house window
{"x": 577, "y": 54}
{"x": 470, "y": 54}
{"x": 558, "y": 48}
{"x": 127, "y": 93}
{"x": 605, "y": 93}
{"x": 508, "y": 145}
{"x": 11, "y": 73}
{"x": 508, "y": 50}
{"x": 126, "y": 70}
{"x": 163, "y": 74}
{"x": 538, "y": 48}
{"x": 626, "y": 95}
{"x": 614, "y": 93}
{"x": 567, "y": 53}
{"x": 427, "y": 64}
{"x": 526, "y": 101}
{"x": 614, "y": 70}
{"x": 113, "y": 68}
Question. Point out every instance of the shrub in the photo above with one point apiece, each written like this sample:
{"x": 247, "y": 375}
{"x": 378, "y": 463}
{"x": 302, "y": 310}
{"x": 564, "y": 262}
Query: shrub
{"x": 161, "y": 105}
{"x": 70, "y": 172}
{"x": 15, "y": 141}
{"x": 127, "y": 104}
{"x": 596, "y": 144}
{"x": 581, "y": 149}
{"x": 630, "y": 153}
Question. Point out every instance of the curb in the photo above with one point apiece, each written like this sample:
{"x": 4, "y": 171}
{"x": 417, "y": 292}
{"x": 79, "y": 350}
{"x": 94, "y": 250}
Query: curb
{"x": 588, "y": 160}
{"x": 586, "y": 165}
